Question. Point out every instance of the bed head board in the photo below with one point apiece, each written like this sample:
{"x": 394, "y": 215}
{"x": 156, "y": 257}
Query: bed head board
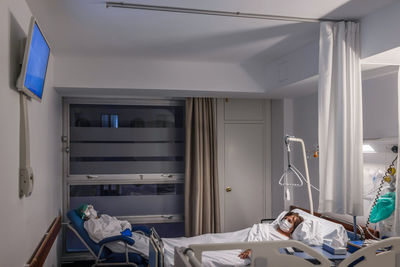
{"x": 346, "y": 225}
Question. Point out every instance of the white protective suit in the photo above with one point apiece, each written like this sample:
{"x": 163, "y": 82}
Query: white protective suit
{"x": 107, "y": 226}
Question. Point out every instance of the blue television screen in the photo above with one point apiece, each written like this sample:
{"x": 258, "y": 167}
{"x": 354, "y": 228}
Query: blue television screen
{"x": 39, "y": 52}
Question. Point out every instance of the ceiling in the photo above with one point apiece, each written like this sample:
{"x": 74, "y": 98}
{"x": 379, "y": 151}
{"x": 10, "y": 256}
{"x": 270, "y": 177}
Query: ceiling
{"x": 86, "y": 28}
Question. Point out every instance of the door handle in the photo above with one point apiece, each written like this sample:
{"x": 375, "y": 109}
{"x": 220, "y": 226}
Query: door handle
{"x": 228, "y": 189}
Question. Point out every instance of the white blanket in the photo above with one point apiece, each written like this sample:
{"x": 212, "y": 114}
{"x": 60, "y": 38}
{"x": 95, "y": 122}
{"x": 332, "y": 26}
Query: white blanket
{"x": 107, "y": 226}
{"x": 259, "y": 232}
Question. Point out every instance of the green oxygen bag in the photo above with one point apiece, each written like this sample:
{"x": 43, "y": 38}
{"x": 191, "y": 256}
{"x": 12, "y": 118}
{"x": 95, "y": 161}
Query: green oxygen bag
{"x": 384, "y": 207}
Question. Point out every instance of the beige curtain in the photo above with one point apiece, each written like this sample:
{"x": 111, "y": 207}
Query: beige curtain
{"x": 201, "y": 176}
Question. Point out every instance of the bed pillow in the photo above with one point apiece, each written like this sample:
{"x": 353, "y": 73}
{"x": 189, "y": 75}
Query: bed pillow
{"x": 309, "y": 232}
{"x": 317, "y": 230}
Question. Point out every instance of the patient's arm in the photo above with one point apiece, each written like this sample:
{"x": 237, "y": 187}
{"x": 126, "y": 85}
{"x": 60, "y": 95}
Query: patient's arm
{"x": 245, "y": 254}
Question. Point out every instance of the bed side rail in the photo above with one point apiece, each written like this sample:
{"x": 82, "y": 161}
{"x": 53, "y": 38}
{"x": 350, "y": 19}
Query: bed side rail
{"x": 156, "y": 249}
{"x": 184, "y": 257}
{"x": 267, "y": 253}
{"x": 382, "y": 253}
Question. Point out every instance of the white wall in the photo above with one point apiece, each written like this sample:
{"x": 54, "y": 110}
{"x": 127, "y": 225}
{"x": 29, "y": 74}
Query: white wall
{"x": 127, "y": 73}
{"x": 24, "y": 221}
{"x": 305, "y": 126}
{"x": 380, "y": 32}
{"x": 127, "y": 76}
{"x": 380, "y": 107}
{"x": 277, "y": 158}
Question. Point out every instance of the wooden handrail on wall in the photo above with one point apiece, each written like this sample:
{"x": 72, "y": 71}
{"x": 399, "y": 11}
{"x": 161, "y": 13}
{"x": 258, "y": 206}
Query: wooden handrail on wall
{"x": 42, "y": 251}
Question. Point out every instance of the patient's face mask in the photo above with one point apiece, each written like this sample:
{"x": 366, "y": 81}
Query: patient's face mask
{"x": 90, "y": 212}
{"x": 285, "y": 225}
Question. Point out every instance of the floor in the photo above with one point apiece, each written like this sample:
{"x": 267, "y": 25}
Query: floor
{"x": 78, "y": 264}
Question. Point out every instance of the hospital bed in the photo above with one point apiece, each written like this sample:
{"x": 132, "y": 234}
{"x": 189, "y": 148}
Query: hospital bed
{"x": 306, "y": 256}
{"x": 382, "y": 253}
{"x": 190, "y": 255}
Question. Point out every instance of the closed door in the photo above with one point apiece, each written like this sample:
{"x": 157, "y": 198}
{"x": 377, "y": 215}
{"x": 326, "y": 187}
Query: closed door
{"x": 244, "y": 190}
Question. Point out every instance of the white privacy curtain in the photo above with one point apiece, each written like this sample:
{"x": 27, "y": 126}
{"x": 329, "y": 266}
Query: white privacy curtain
{"x": 340, "y": 119}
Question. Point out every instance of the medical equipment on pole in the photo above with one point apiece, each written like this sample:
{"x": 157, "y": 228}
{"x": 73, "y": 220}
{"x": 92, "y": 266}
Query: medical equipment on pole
{"x": 383, "y": 206}
{"x": 295, "y": 173}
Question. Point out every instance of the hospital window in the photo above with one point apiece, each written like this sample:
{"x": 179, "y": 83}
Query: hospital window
{"x": 126, "y": 157}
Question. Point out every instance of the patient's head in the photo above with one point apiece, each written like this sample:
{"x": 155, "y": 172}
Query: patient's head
{"x": 87, "y": 212}
{"x": 289, "y": 222}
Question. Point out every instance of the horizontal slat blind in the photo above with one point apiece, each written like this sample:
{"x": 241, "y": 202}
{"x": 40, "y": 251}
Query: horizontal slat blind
{"x": 82, "y": 134}
{"x": 124, "y": 167}
{"x": 126, "y": 150}
{"x": 141, "y": 140}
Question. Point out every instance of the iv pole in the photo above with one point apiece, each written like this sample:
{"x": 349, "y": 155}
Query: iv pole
{"x": 299, "y": 140}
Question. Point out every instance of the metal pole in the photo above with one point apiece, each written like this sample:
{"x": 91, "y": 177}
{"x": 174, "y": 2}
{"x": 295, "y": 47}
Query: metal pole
{"x": 294, "y": 139}
{"x": 214, "y": 12}
{"x": 355, "y": 227}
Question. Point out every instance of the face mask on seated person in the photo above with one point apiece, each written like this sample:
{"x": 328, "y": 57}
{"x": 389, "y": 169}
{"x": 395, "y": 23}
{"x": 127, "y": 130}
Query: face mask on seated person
{"x": 88, "y": 212}
{"x": 285, "y": 225}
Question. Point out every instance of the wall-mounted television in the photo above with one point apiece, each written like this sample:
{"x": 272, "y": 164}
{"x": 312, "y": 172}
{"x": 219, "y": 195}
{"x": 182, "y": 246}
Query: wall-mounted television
{"x": 34, "y": 67}
{"x": 30, "y": 83}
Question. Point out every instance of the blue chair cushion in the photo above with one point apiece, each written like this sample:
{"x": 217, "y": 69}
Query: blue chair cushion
{"x": 78, "y": 223}
{"x": 143, "y": 228}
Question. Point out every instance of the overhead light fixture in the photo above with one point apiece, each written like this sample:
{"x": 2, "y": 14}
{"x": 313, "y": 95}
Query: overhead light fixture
{"x": 368, "y": 149}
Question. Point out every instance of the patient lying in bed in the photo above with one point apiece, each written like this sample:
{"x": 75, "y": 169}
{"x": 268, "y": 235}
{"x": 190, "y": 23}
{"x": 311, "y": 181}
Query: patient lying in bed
{"x": 281, "y": 230}
{"x": 311, "y": 231}
{"x": 266, "y": 232}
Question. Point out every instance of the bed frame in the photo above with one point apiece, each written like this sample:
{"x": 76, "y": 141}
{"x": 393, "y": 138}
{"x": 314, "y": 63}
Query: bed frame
{"x": 192, "y": 255}
{"x": 156, "y": 249}
{"x": 266, "y": 254}
{"x": 346, "y": 225}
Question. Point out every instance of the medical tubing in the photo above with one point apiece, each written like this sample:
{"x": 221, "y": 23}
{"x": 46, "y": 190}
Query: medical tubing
{"x": 302, "y": 177}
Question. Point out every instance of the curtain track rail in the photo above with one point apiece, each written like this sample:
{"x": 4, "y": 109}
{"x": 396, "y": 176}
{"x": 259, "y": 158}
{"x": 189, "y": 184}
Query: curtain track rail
{"x": 214, "y": 12}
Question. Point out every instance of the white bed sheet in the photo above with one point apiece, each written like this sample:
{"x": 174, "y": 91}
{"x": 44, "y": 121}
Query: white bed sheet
{"x": 259, "y": 232}
{"x": 328, "y": 232}
{"x": 210, "y": 258}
